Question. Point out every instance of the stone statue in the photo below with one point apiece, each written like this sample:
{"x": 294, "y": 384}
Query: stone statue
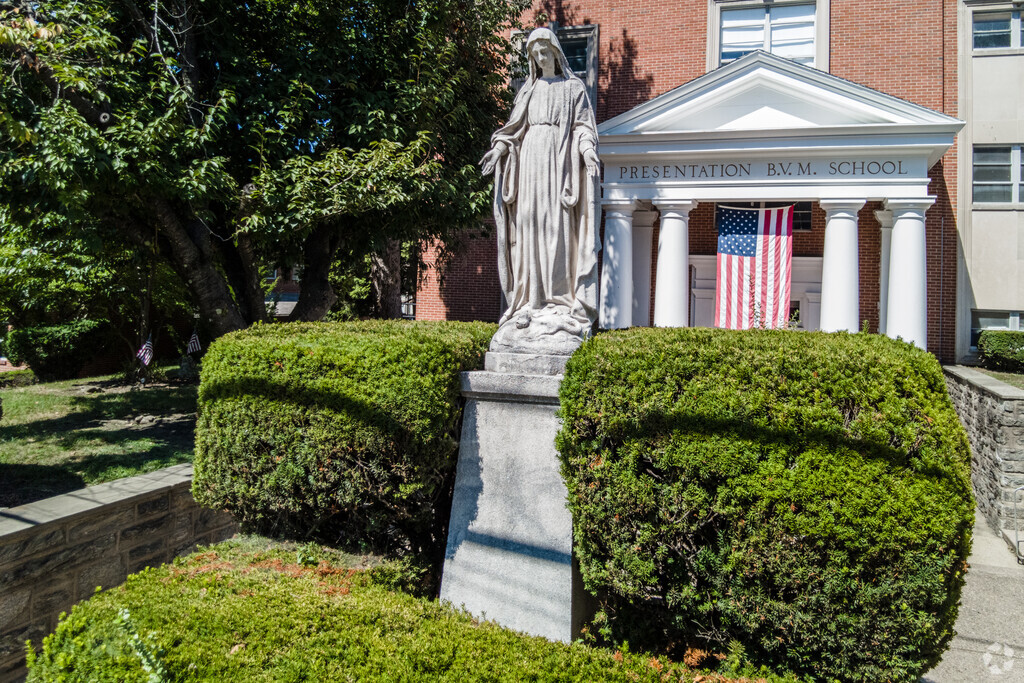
{"x": 546, "y": 188}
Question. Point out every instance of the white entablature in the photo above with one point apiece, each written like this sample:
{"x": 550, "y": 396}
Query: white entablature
{"x": 767, "y": 128}
{"x": 764, "y": 128}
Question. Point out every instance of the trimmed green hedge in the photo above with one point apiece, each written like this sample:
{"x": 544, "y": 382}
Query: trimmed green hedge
{"x": 1002, "y": 350}
{"x": 805, "y": 495}
{"x": 225, "y": 616}
{"x": 56, "y": 352}
{"x": 345, "y": 432}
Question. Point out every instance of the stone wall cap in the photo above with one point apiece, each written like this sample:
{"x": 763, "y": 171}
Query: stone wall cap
{"x": 514, "y": 388}
{"x": 83, "y": 501}
{"x": 988, "y": 383}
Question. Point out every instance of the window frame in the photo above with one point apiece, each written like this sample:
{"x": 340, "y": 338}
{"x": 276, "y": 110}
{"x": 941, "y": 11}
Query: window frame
{"x": 822, "y": 14}
{"x": 1016, "y": 29}
{"x": 1016, "y": 200}
{"x": 1012, "y": 320}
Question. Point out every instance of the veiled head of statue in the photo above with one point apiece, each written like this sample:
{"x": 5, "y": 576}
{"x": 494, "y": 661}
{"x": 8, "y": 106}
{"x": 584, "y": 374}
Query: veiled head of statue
{"x": 545, "y": 37}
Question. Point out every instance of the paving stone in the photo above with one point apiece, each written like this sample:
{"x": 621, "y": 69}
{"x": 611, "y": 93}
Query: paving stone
{"x": 52, "y": 601}
{"x": 14, "y": 607}
{"x": 45, "y": 567}
{"x": 150, "y": 507}
{"x": 143, "y": 531}
{"x": 105, "y": 522}
{"x": 12, "y": 643}
{"x": 20, "y": 546}
{"x": 106, "y": 573}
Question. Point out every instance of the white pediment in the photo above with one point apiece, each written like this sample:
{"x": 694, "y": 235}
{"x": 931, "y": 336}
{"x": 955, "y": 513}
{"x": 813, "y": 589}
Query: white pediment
{"x": 762, "y": 92}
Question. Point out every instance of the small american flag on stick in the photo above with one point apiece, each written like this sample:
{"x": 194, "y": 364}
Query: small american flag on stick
{"x": 755, "y": 266}
{"x": 193, "y": 343}
{"x": 145, "y": 353}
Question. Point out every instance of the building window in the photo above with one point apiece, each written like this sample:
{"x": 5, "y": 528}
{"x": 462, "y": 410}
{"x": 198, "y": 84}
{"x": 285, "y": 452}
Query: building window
{"x": 784, "y": 30}
{"x": 994, "y": 30}
{"x": 794, "y": 29}
{"x": 801, "y": 212}
{"x": 997, "y": 174}
{"x": 992, "y": 320}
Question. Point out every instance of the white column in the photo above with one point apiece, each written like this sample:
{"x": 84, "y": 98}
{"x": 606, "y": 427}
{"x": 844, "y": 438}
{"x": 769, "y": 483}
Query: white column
{"x": 643, "y": 239}
{"x": 617, "y": 265}
{"x": 840, "y": 268}
{"x": 884, "y": 220}
{"x": 672, "y": 290}
{"x": 907, "y": 314}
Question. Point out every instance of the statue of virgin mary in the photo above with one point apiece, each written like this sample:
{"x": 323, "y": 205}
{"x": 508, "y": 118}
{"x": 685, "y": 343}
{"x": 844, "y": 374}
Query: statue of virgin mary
{"x": 546, "y": 187}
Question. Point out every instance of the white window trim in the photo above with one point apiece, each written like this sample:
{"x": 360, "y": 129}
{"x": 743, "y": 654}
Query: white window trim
{"x": 1016, "y": 202}
{"x": 996, "y": 7}
{"x": 1013, "y": 320}
{"x": 822, "y": 13}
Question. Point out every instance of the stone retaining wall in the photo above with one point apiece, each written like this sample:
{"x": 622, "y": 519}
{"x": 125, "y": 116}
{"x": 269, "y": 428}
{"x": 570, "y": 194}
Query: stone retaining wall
{"x": 992, "y": 412}
{"x": 55, "y": 552}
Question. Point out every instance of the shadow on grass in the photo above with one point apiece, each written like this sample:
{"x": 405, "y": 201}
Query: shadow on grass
{"x": 84, "y": 448}
{"x": 93, "y": 410}
{"x": 20, "y": 484}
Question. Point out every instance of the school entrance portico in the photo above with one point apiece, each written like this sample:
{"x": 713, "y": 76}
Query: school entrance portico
{"x": 765, "y": 129}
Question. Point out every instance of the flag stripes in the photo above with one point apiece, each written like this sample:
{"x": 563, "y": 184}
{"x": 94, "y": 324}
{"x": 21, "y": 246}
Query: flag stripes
{"x": 145, "y": 353}
{"x": 754, "y": 271}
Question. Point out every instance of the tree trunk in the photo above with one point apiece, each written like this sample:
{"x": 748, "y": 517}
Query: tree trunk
{"x": 386, "y": 280}
{"x": 203, "y": 278}
{"x": 317, "y": 295}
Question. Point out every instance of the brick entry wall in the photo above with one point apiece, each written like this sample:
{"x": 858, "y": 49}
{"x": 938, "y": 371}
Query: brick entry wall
{"x": 649, "y": 47}
{"x": 55, "y": 552}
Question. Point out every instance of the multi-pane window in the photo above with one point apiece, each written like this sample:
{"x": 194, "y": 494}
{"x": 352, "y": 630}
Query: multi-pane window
{"x": 786, "y": 30}
{"x": 998, "y": 171}
{"x": 801, "y": 212}
{"x": 992, "y": 320}
{"x": 993, "y": 30}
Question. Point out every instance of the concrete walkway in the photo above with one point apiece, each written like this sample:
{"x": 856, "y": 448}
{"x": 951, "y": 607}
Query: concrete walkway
{"x": 989, "y": 645}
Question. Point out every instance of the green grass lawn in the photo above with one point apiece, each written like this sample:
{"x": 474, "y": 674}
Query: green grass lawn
{"x": 62, "y": 436}
{"x": 1011, "y": 378}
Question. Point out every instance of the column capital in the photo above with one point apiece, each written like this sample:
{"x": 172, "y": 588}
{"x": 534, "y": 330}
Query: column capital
{"x": 885, "y": 219}
{"x": 619, "y": 207}
{"x": 909, "y": 208}
{"x": 644, "y": 219}
{"x": 839, "y": 207}
{"x": 674, "y": 208}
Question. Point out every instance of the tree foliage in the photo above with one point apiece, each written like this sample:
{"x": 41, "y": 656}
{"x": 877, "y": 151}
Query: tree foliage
{"x": 226, "y": 137}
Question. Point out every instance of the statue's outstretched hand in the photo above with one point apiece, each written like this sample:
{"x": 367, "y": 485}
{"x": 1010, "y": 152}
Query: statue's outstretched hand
{"x": 491, "y": 160}
{"x": 592, "y": 162}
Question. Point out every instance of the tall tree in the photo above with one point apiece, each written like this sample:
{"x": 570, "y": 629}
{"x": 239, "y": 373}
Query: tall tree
{"x": 228, "y": 136}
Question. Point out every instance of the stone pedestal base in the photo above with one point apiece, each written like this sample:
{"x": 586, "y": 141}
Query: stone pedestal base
{"x": 509, "y": 555}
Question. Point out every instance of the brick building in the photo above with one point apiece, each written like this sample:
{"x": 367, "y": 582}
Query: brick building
{"x": 854, "y": 119}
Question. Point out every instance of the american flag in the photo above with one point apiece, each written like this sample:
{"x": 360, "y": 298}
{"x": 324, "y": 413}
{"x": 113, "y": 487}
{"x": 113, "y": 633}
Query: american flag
{"x": 755, "y": 261}
{"x": 193, "y": 343}
{"x": 145, "y": 354}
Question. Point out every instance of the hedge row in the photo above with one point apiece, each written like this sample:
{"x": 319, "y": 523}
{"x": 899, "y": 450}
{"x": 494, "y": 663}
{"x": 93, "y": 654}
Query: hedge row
{"x": 805, "y": 495}
{"x": 1002, "y": 350}
{"x": 337, "y": 431}
{"x": 56, "y": 352}
{"x": 221, "y": 615}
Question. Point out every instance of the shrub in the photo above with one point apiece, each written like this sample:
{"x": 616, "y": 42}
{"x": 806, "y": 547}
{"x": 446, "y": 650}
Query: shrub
{"x": 56, "y": 352}
{"x": 222, "y": 616}
{"x": 344, "y": 432}
{"x": 1002, "y": 350}
{"x": 806, "y": 496}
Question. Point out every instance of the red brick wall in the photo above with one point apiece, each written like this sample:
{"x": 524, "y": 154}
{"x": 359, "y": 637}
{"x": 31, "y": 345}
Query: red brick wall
{"x": 463, "y": 288}
{"x": 648, "y": 47}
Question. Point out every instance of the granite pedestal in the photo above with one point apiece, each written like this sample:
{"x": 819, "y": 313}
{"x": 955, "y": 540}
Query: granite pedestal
{"x": 509, "y": 555}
